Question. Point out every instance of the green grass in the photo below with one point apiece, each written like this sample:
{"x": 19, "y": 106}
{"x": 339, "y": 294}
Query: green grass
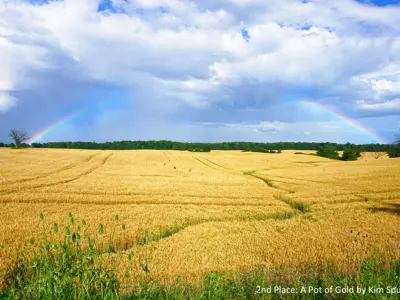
{"x": 255, "y": 284}
{"x": 147, "y": 237}
{"x": 249, "y": 173}
{"x": 266, "y": 181}
{"x": 71, "y": 269}
{"x": 300, "y": 206}
{"x": 275, "y": 216}
{"x": 313, "y": 154}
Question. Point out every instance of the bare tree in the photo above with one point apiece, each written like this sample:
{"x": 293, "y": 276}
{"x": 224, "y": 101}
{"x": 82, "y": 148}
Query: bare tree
{"x": 18, "y": 136}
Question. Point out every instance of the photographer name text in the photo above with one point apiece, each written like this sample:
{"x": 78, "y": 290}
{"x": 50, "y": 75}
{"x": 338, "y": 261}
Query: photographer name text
{"x": 328, "y": 290}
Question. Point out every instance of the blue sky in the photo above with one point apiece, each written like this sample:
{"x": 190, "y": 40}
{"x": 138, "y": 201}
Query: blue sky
{"x": 211, "y": 70}
{"x": 380, "y": 2}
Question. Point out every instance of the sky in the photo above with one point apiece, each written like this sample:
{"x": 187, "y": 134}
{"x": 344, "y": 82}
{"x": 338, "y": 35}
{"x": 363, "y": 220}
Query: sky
{"x": 206, "y": 71}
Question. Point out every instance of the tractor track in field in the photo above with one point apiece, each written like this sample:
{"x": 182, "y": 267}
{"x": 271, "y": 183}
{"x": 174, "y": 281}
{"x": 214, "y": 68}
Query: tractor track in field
{"x": 148, "y": 237}
{"x": 198, "y": 159}
{"x": 85, "y": 173}
{"x": 300, "y": 179}
{"x": 65, "y": 168}
{"x": 266, "y": 181}
{"x": 270, "y": 183}
{"x": 216, "y": 164}
{"x": 133, "y": 194}
{"x": 91, "y": 170}
{"x": 297, "y": 206}
{"x": 346, "y": 191}
{"x": 133, "y": 203}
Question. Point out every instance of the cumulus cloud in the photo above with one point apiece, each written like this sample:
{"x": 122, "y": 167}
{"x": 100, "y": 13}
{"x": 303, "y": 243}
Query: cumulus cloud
{"x": 388, "y": 105}
{"x": 269, "y": 127}
{"x": 292, "y": 131}
{"x": 192, "y": 58}
{"x": 6, "y": 101}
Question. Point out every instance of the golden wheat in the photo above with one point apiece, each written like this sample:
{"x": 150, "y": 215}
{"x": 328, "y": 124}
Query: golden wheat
{"x": 226, "y": 211}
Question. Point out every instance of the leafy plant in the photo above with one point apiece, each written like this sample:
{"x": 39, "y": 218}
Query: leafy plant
{"x": 350, "y": 154}
{"x": 328, "y": 152}
{"x": 394, "y": 152}
{"x": 68, "y": 269}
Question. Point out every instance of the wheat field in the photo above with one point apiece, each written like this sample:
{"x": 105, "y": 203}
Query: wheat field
{"x": 189, "y": 213}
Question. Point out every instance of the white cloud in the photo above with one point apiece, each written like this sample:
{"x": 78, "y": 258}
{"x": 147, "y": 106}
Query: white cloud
{"x": 119, "y": 48}
{"x": 383, "y": 93}
{"x": 329, "y": 126}
{"x": 194, "y": 51}
{"x": 385, "y": 86}
{"x": 293, "y": 131}
{"x": 6, "y": 101}
{"x": 388, "y": 105}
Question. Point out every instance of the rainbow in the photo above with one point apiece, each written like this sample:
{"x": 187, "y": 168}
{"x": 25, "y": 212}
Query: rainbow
{"x": 360, "y": 127}
{"x": 39, "y": 135}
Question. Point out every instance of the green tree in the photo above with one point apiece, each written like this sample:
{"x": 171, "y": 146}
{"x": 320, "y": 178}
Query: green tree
{"x": 207, "y": 148}
{"x": 350, "y": 154}
{"x": 328, "y": 151}
{"x": 394, "y": 151}
{"x": 248, "y": 146}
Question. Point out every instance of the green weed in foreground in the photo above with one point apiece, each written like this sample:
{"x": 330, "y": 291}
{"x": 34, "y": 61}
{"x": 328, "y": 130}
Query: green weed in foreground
{"x": 79, "y": 267}
{"x": 74, "y": 269}
{"x": 374, "y": 281}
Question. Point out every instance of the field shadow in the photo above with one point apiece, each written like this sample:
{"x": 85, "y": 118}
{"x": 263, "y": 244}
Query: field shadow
{"x": 393, "y": 208}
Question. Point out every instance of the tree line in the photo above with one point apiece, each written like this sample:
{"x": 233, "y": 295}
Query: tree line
{"x": 183, "y": 146}
{"x": 351, "y": 151}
